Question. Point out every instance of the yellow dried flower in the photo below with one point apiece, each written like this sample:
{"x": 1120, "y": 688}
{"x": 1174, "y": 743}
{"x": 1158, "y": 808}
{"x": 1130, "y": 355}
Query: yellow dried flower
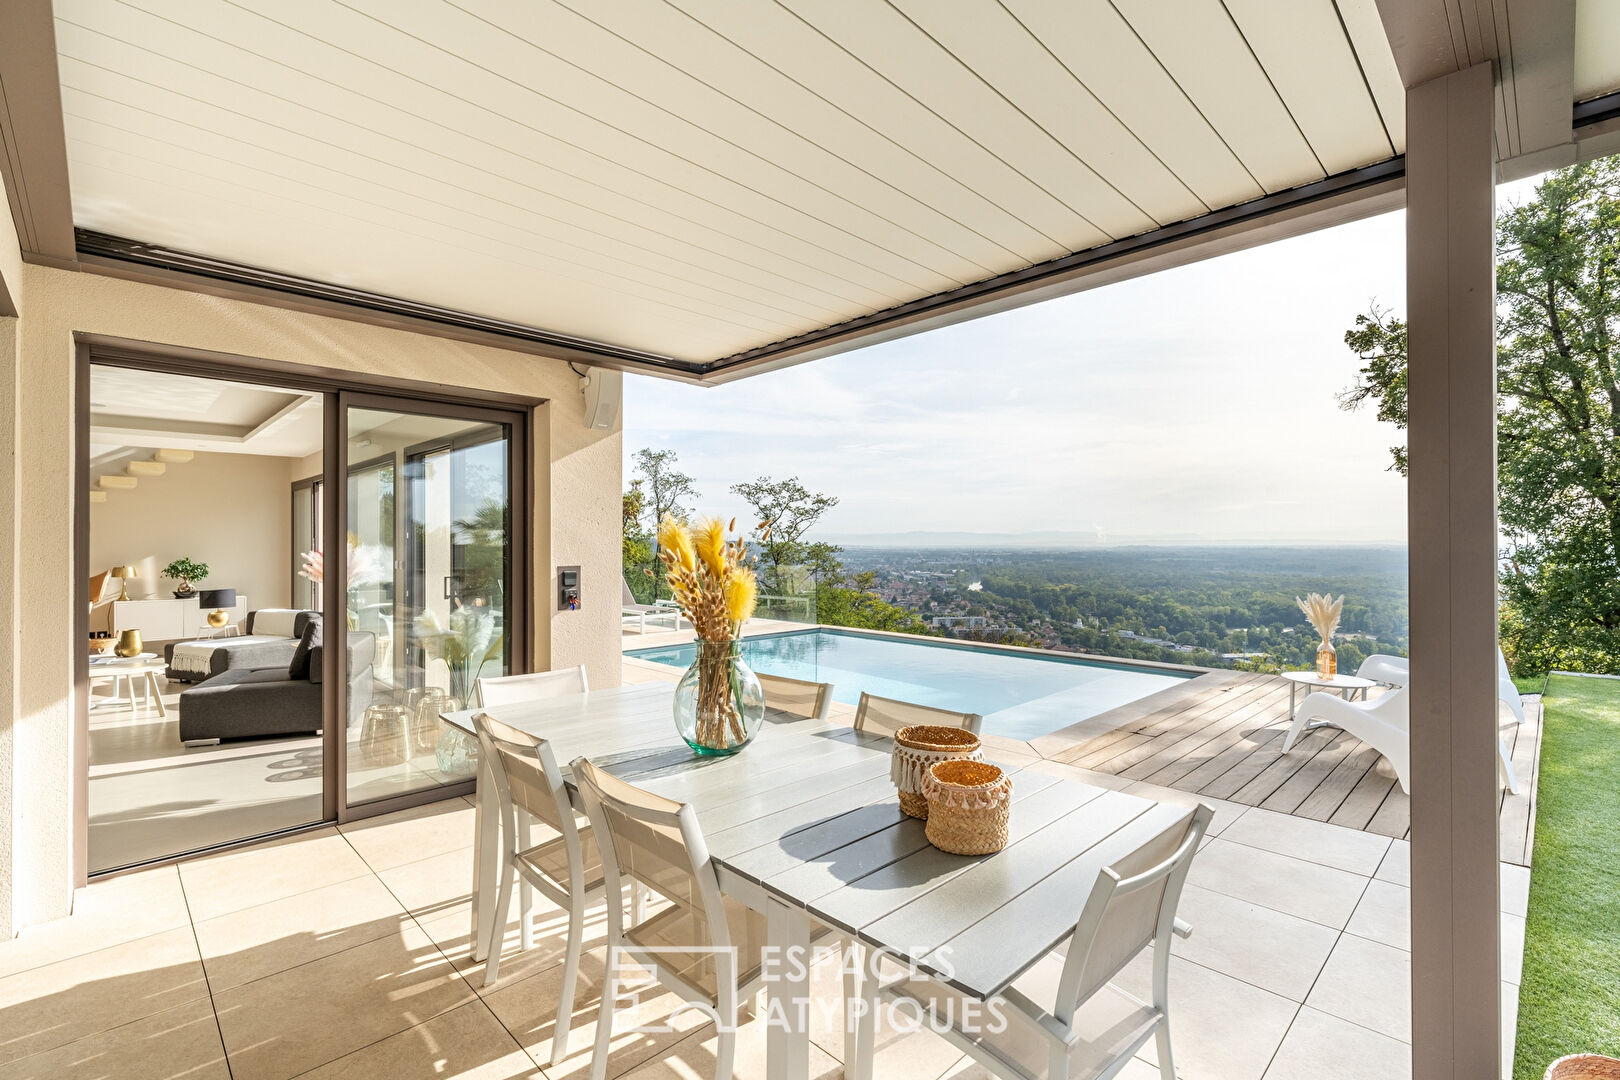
{"x": 674, "y": 538}
{"x": 742, "y": 593}
{"x": 710, "y": 540}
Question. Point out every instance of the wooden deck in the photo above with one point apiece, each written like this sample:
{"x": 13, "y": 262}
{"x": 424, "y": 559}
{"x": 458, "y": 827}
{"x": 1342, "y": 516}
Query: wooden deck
{"x": 1221, "y": 737}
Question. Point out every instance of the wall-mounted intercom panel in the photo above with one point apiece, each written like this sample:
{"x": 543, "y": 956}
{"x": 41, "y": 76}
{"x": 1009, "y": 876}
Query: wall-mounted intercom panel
{"x": 567, "y": 588}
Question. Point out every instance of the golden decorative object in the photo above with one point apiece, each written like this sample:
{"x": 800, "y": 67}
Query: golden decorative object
{"x": 1327, "y": 660}
{"x": 123, "y": 574}
{"x": 129, "y": 644}
{"x": 218, "y": 618}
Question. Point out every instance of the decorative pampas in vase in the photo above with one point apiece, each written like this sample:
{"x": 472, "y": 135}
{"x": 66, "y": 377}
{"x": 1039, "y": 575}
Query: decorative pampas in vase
{"x": 1323, "y": 611}
{"x": 719, "y": 704}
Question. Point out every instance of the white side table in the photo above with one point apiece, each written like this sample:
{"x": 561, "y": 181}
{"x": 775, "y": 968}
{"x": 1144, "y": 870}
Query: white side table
{"x": 145, "y": 668}
{"x": 1346, "y": 686}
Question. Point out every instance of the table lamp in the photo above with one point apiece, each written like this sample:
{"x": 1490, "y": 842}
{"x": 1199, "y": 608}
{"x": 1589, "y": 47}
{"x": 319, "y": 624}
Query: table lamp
{"x": 218, "y": 600}
{"x": 123, "y": 574}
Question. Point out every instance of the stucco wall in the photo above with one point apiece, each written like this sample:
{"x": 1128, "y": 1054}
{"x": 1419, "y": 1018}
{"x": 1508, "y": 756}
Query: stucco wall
{"x": 576, "y": 482}
{"x": 10, "y": 344}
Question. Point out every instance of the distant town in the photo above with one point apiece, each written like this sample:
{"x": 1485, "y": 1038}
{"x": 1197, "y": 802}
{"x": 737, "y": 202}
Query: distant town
{"x": 1211, "y": 607}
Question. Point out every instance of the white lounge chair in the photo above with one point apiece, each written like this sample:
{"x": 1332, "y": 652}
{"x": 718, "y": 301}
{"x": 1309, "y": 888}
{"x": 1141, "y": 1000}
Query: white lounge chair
{"x": 645, "y": 613}
{"x": 1396, "y": 670}
{"x": 1384, "y": 724}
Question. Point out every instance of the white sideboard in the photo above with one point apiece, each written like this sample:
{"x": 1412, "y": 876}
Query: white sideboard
{"x": 167, "y": 619}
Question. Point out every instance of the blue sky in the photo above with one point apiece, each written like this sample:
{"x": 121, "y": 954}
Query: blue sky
{"x": 1193, "y": 405}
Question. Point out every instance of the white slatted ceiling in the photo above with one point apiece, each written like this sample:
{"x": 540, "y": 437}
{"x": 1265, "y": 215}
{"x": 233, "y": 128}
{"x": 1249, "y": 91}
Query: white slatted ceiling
{"x": 1597, "y": 48}
{"x": 698, "y": 177}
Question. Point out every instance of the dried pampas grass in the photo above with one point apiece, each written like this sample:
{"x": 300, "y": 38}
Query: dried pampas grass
{"x": 1323, "y": 611}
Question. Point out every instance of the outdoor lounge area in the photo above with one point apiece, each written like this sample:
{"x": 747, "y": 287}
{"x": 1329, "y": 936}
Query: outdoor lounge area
{"x": 344, "y": 303}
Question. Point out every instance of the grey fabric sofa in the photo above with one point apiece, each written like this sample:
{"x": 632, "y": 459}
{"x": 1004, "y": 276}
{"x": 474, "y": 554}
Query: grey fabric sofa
{"x": 245, "y": 702}
{"x": 231, "y": 653}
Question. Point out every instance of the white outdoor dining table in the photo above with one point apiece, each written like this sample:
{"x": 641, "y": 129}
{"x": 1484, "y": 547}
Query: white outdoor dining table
{"x": 804, "y": 825}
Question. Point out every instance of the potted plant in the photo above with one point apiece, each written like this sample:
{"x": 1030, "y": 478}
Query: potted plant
{"x": 187, "y": 571}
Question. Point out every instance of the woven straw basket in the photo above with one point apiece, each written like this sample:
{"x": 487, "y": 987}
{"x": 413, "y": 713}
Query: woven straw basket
{"x": 1584, "y": 1067}
{"x": 968, "y": 806}
{"x": 919, "y": 747}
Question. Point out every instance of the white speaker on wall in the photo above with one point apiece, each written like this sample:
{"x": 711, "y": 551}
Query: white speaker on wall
{"x": 604, "y": 391}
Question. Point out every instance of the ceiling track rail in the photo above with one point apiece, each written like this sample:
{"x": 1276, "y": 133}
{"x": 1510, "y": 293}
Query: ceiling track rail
{"x": 97, "y": 246}
{"x": 1597, "y": 111}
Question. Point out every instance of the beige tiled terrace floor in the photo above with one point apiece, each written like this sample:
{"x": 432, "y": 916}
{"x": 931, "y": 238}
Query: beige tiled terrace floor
{"x": 343, "y": 953}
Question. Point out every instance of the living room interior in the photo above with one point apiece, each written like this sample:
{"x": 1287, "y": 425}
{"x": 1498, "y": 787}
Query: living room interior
{"x": 207, "y": 509}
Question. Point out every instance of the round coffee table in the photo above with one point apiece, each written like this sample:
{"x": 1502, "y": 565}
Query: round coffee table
{"x": 145, "y": 668}
{"x": 1345, "y": 685}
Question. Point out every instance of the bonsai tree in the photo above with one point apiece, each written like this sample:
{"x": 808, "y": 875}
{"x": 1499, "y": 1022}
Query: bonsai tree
{"x": 186, "y": 571}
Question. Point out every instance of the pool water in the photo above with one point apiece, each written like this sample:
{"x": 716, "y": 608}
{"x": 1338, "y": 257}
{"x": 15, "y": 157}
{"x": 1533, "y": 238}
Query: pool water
{"x": 1019, "y": 695}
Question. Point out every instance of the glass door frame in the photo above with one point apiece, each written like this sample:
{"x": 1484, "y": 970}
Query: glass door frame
{"x": 336, "y": 387}
{"x": 336, "y": 498}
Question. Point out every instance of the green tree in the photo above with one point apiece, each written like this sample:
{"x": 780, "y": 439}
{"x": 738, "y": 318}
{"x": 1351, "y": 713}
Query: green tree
{"x": 1379, "y": 339}
{"x": 1558, "y": 443}
{"x": 666, "y": 491}
{"x": 791, "y": 509}
{"x": 638, "y": 540}
{"x": 852, "y": 602}
{"x": 482, "y": 540}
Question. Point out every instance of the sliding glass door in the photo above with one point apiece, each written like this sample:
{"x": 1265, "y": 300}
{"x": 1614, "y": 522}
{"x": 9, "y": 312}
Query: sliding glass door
{"x": 431, "y": 576}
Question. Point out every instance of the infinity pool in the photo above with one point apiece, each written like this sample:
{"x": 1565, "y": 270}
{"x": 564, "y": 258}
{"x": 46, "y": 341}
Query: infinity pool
{"x": 1020, "y": 696}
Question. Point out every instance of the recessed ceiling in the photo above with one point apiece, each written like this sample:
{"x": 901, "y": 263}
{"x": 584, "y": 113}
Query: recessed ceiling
{"x": 694, "y": 177}
{"x": 132, "y": 408}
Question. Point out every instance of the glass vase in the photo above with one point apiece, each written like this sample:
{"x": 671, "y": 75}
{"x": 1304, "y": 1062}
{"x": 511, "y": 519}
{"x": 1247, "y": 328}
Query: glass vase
{"x": 456, "y": 753}
{"x": 719, "y": 704}
{"x": 1327, "y": 660}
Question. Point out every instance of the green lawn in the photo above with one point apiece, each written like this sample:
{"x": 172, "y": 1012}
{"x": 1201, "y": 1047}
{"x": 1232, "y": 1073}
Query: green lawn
{"x": 1569, "y": 1000}
{"x": 1530, "y": 684}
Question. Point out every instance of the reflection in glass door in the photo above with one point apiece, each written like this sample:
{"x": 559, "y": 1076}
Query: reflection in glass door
{"x": 307, "y": 498}
{"x": 430, "y": 574}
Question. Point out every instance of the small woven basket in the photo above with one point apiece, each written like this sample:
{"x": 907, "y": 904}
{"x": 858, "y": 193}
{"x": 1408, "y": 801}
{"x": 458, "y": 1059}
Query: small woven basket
{"x": 969, "y": 803}
{"x": 1584, "y": 1067}
{"x": 921, "y": 746}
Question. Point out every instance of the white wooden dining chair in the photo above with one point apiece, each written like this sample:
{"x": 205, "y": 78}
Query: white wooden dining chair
{"x": 510, "y": 689}
{"x": 1064, "y": 1018}
{"x": 566, "y": 868}
{"x": 704, "y": 946}
{"x": 885, "y": 716}
{"x": 796, "y": 697}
